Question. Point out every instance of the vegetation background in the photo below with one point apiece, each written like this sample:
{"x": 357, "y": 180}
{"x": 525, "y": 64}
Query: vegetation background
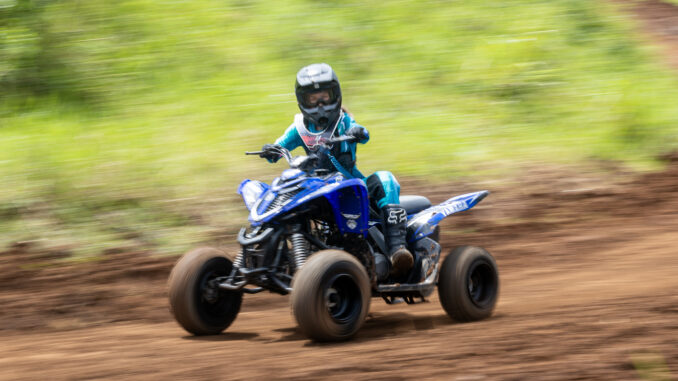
{"x": 123, "y": 124}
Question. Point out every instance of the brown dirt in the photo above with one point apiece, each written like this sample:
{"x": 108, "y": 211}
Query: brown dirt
{"x": 588, "y": 268}
{"x": 660, "y": 20}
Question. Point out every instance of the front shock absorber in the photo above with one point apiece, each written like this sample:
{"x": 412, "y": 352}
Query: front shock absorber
{"x": 299, "y": 249}
{"x": 238, "y": 262}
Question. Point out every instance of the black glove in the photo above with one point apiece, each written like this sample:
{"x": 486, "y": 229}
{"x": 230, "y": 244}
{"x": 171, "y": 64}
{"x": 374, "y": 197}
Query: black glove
{"x": 359, "y": 133}
{"x": 270, "y": 152}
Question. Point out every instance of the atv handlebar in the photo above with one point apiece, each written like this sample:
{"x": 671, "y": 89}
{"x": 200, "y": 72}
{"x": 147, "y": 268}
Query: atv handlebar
{"x": 284, "y": 152}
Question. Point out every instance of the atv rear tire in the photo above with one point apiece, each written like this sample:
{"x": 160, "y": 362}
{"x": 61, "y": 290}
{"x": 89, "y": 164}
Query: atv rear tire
{"x": 436, "y": 234}
{"x": 469, "y": 284}
{"x": 330, "y": 296}
{"x": 201, "y": 308}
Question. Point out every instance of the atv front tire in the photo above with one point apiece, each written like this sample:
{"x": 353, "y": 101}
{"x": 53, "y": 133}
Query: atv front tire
{"x": 197, "y": 303}
{"x": 468, "y": 286}
{"x": 330, "y": 296}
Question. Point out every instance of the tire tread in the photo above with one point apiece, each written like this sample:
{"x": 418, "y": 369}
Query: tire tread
{"x": 181, "y": 285}
{"x": 452, "y": 284}
{"x": 306, "y": 300}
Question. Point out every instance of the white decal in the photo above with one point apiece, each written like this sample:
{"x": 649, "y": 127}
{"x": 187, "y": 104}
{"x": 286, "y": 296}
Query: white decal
{"x": 453, "y": 207}
{"x": 396, "y": 215}
{"x": 351, "y": 216}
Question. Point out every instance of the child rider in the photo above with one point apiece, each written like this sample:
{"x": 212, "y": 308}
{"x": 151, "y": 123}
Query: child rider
{"x": 322, "y": 117}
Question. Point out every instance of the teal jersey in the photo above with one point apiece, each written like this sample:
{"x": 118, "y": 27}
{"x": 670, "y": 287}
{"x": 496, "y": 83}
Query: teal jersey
{"x": 345, "y": 152}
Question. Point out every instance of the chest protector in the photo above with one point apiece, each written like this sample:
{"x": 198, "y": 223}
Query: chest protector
{"x": 313, "y": 143}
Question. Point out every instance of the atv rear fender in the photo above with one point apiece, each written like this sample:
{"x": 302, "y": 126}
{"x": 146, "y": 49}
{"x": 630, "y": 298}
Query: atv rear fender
{"x": 424, "y": 223}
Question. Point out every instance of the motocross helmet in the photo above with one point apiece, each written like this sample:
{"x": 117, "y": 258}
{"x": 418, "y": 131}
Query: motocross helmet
{"x": 318, "y": 95}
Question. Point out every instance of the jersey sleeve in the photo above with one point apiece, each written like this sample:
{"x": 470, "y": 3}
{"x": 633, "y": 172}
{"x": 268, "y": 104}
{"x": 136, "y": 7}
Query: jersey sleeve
{"x": 290, "y": 139}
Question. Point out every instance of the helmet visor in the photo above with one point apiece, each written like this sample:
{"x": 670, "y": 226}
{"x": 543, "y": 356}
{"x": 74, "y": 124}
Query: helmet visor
{"x": 314, "y": 98}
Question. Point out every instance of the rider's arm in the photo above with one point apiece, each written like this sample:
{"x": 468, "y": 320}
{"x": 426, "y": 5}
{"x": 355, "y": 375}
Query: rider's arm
{"x": 290, "y": 139}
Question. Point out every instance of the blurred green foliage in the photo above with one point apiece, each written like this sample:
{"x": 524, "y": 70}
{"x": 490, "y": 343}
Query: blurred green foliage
{"x": 124, "y": 122}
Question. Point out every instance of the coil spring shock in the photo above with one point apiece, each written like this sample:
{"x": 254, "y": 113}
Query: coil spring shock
{"x": 238, "y": 262}
{"x": 299, "y": 249}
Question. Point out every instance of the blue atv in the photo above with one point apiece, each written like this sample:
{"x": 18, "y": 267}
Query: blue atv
{"x": 312, "y": 234}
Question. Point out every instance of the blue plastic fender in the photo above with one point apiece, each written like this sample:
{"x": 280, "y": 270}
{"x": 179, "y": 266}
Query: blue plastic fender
{"x": 423, "y": 223}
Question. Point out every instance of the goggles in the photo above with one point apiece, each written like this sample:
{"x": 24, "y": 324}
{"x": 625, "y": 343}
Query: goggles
{"x": 315, "y": 98}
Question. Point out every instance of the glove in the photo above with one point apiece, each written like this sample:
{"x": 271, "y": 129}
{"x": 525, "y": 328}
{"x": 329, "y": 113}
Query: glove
{"x": 359, "y": 133}
{"x": 270, "y": 152}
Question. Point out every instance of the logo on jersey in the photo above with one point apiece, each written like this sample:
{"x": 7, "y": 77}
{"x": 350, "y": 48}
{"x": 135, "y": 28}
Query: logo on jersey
{"x": 313, "y": 141}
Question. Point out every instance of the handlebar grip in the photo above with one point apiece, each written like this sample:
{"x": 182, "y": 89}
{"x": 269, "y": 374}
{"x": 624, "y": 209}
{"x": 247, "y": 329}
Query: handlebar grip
{"x": 343, "y": 138}
{"x": 253, "y": 152}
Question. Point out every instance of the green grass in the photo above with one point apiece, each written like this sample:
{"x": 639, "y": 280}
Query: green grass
{"x": 136, "y": 136}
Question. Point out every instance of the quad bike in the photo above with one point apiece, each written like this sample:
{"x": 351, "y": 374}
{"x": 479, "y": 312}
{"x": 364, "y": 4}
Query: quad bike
{"x": 312, "y": 234}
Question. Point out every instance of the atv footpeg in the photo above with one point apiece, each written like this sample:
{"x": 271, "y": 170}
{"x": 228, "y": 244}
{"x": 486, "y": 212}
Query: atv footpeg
{"x": 410, "y": 299}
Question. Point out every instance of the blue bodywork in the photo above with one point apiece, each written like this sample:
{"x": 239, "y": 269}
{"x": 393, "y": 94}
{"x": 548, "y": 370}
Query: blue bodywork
{"x": 347, "y": 198}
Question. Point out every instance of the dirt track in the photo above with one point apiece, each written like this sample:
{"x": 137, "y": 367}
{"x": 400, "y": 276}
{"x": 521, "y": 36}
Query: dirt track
{"x": 588, "y": 268}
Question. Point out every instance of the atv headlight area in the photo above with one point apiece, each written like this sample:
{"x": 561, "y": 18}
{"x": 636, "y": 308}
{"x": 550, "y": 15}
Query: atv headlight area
{"x": 251, "y": 190}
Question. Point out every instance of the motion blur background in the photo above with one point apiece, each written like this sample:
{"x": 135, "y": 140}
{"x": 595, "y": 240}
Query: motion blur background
{"x": 124, "y": 123}
{"x": 122, "y": 131}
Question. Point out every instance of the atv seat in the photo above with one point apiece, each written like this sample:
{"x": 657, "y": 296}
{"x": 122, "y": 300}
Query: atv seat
{"x": 414, "y": 204}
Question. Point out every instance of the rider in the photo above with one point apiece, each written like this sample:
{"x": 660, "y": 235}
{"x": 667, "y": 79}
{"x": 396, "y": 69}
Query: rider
{"x": 322, "y": 117}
